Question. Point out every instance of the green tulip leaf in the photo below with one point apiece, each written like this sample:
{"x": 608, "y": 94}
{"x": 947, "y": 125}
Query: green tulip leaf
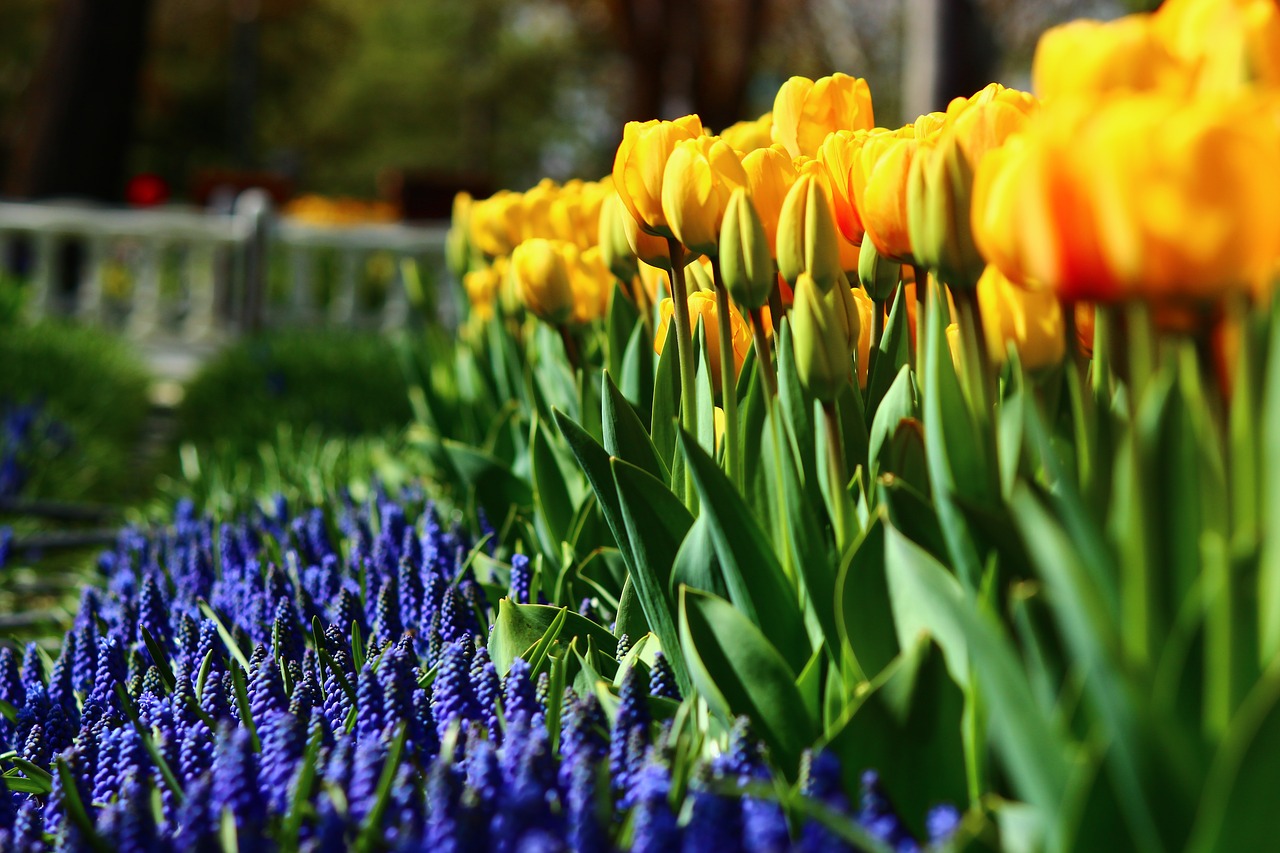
{"x": 755, "y": 579}
{"x": 738, "y": 671}
{"x": 624, "y": 434}
{"x": 656, "y": 523}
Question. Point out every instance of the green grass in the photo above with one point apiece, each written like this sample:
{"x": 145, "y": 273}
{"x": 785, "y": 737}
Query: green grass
{"x": 335, "y": 383}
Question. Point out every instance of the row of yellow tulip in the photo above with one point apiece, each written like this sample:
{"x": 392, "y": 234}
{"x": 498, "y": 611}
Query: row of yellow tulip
{"x": 1150, "y": 168}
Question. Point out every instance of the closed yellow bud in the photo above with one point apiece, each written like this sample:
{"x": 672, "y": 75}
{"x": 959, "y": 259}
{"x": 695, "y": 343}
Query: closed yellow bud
{"x": 807, "y": 240}
{"x": 542, "y": 279}
{"x": 746, "y": 263}
{"x": 700, "y": 176}
{"x": 457, "y": 248}
{"x": 805, "y": 111}
{"x": 770, "y": 174}
{"x": 640, "y": 163}
{"x": 825, "y": 330}
{"x": 611, "y": 237}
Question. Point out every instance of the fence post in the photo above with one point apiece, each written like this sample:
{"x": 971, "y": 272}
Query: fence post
{"x": 253, "y": 207}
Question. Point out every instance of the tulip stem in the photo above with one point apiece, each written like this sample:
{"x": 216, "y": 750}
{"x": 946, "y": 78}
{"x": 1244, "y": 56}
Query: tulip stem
{"x": 684, "y": 349}
{"x": 838, "y": 470}
{"x": 764, "y": 358}
{"x": 570, "y": 346}
{"x": 978, "y": 373}
{"x": 728, "y": 378}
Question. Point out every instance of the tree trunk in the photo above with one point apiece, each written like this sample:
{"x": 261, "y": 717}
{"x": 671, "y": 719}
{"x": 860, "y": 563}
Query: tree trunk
{"x": 82, "y": 105}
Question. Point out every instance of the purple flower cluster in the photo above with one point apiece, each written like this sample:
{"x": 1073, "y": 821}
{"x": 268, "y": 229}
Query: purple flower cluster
{"x": 289, "y": 683}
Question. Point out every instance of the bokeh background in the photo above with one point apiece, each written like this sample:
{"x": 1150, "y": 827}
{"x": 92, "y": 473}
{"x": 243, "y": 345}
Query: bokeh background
{"x": 408, "y": 100}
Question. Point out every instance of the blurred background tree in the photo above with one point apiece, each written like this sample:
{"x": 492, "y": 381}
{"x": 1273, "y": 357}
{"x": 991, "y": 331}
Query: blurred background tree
{"x": 330, "y": 94}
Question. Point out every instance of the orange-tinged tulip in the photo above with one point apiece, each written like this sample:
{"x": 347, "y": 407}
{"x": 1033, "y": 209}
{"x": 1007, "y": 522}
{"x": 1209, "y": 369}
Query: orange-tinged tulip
{"x": 770, "y": 174}
{"x": 1150, "y": 196}
{"x": 1030, "y": 320}
{"x": 847, "y": 250}
{"x": 542, "y": 279}
{"x": 640, "y": 163}
{"x": 700, "y": 176}
{"x": 703, "y": 305}
{"x": 805, "y": 111}
{"x": 836, "y": 155}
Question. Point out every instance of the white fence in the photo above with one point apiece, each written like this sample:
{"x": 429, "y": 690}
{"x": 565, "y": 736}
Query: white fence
{"x": 187, "y": 280}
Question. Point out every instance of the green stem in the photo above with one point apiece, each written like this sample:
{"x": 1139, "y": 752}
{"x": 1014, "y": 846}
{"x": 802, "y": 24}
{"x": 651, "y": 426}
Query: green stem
{"x": 877, "y": 321}
{"x": 728, "y": 378}
{"x": 839, "y": 475}
{"x": 684, "y": 350}
{"x": 978, "y": 373}
{"x": 764, "y": 358}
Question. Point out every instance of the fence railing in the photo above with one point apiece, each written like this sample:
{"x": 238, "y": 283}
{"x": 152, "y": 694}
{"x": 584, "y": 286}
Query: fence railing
{"x": 195, "y": 278}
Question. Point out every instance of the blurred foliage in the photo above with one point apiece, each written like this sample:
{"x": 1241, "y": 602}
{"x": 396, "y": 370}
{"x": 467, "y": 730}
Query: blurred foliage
{"x": 306, "y": 467}
{"x": 336, "y": 383}
{"x": 92, "y": 385}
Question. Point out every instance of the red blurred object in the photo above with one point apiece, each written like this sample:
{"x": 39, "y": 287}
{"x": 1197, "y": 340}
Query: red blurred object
{"x": 146, "y": 190}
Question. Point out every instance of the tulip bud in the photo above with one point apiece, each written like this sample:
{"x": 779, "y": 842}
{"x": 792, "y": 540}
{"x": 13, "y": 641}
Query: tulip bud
{"x": 745, "y": 261}
{"x": 825, "y": 329}
{"x": 457, "y": 247}
{"x": 542, "y": 279}
{"x": 614, "y": 248}
{"x": 807, "y": 235}
{"x": 699, "y": 278}
{"x": 939, "y": 193}
{"x": 878, "y": 275}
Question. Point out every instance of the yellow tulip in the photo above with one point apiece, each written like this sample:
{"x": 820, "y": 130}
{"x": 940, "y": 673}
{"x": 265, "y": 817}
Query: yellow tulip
{"x": 535, "y": 210}
{"x": 703, "y": 305}
{"x": 746, "y": 136}
{"x": 700, "y": 176}
{"x": 542, "y": 279}
{"x": 495, "y": 223}
{"x": 805, "y": 111}
{"x": 878, "y": 179}
{"x": 650, "y": 249}
{"x": 1127, "y": 54}
{"x": 1228, "y": 45}
{"x": 770, "y": 174}
{"x": 866, "y": 311}
{"x": 640, "y": 163}
{"x": 482, "y": 290}
{"x": 591, "y": 282}
{"x": 1030, "y": 320}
